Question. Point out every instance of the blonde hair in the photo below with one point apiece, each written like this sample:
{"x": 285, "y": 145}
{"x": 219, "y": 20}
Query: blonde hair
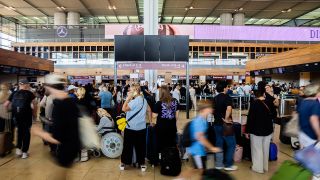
{"x": 311, "y": 90}
{"x": 4, "y": 92}
{"x": 136, "y": 87}
{"x": 81, "y": 92}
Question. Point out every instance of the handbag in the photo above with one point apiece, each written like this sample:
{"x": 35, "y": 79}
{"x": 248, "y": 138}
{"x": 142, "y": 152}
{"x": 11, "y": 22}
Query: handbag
{"x": 309, "y": 157}
{"x": 228, "y": 129}
{"x": 122, "y": 122}
{"x": 292, "y": 127}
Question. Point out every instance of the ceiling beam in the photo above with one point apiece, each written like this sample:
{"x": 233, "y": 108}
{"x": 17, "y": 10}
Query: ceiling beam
{"x": 162, "y": 10}
{"x": 291, "y": 7}
{"x": 309, "y": 21}
{"x": 263, "y": 9}
{"x": 18, "y": 12}
{"x": 114, "y": 12}
{"x": 36, "y": 8}
{"x": 185, "y": 14}
{"x": 138, "y": 10}
{"x": 85, "y": 7}
{"x": 214, "y": 8}
{"x": 106, "y": 19}
{"x": 89, "y": 11}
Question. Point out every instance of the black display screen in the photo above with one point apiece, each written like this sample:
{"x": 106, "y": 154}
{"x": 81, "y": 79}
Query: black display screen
{"x": 129, "y": 48}
{"x": 167, "y": 48}
{"x": 181, "y": 48}
{"x": 152, "y": 45}
{"x": 151, "y": 48}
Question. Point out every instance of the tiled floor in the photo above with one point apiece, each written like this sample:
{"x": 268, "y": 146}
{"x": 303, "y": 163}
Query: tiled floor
{"x": 40, "y": 167}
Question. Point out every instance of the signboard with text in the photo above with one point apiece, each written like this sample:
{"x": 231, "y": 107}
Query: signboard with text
{"x": 217, "y": 32}
{"x": 151, "y": 65}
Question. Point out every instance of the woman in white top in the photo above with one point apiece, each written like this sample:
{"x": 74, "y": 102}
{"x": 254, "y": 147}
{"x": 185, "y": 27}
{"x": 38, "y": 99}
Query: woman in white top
{"x": 193, "y": 97}
{"x": 176, "y": 93}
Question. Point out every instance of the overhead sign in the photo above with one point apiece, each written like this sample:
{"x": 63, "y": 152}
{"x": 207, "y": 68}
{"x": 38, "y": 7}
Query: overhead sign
{"x": 151, "y": 65}
{"x": 257, "y": 33}
{"x": 217, "y": 32}
{"x": 62, "y": 31}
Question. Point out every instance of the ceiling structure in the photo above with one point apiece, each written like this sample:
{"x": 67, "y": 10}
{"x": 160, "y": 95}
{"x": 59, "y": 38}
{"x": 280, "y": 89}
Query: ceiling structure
{"x": 257, "y": 12}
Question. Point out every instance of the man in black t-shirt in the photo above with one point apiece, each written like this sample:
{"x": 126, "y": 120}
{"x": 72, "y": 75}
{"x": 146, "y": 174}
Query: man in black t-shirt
{"x": 222, "y": 106}
{"x": 24, "y": 108}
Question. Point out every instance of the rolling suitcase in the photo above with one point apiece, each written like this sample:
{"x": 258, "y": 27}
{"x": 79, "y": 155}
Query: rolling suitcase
{"x": 152, "y": 154}
{"x": 170, "y": 162}
{"x": 6, "y": 139}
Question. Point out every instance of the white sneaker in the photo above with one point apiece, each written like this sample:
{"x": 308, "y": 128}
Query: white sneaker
{"x": 121, "y": 167}
{"x": 18, "y": 152}
{"x": 143, "y": 168}
{"x": 231, "y": 168}
{"x": 219, "y": 168}
{"x": 25, "y": 155}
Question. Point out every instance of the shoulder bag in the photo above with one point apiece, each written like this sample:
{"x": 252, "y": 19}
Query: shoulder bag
{"x": 122, "y": 122}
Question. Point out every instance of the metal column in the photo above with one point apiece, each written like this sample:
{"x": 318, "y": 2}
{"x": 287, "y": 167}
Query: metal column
{"x": 187, "y": 89}
{"x": 115, "y": 73}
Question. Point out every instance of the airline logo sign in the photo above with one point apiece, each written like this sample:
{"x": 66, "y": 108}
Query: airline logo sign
{"x": 62, "y": 31}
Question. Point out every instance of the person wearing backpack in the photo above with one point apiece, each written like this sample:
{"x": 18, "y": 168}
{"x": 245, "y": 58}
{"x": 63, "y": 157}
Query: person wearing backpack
{"x": 24, "y": 109}
{"x": 199, "y": 142}
{"x": 65, "y": 128}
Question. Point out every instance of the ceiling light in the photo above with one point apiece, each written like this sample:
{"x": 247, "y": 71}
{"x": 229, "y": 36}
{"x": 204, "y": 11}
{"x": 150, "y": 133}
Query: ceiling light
{"x": 191, "y": 7}
{"x": 63, "y": 8}
{"x": 186, "y": 8}
{"x": 114, "y": 7}
{"x": 241, "y": 9}
{"x": 286, "y": 10}
{"x": 59, "y": 8}
{"x": 10, "y": 8}
{"x": 109, "y": 7}
{"x": 289, "y": 10}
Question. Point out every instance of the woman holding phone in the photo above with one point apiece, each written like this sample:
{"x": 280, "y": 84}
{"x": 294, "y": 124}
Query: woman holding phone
{"x": 136, "y": 108}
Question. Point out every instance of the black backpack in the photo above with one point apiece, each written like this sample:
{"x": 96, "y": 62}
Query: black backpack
{"x": 170, "y": 162}
{"x": 20, "y": 103}
{"x": 186, "y": 135}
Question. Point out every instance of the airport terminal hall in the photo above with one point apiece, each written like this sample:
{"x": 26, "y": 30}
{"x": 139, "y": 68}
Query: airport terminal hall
{"x": 159, "y": 89}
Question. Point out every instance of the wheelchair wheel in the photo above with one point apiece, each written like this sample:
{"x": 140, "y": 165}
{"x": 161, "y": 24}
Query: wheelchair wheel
{"x": 112, "y": 145}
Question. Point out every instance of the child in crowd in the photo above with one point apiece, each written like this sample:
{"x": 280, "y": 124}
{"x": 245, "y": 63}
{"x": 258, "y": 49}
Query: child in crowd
{"x": 200, "y": 145}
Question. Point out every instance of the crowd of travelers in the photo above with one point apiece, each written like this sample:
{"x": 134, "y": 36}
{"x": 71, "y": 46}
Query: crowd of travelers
{"x": 157, "y": 107}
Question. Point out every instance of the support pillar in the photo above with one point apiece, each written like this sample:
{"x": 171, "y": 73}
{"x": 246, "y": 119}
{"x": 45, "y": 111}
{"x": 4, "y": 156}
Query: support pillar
{"x": 150, "y": 22}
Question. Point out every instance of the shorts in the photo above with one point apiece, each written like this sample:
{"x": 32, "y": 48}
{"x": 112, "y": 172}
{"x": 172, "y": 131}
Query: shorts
{"x": 199, "y": 162}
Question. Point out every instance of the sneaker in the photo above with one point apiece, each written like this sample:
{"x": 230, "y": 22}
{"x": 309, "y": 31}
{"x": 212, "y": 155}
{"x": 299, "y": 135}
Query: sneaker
{"x": 18, "y": 152}
{"x": 219, "y": 168}
{"x": 143, "y": 168}
{"x": 231, "y": 168}
{"x": 121, "y": 167}
{"x": 25, "y": 155}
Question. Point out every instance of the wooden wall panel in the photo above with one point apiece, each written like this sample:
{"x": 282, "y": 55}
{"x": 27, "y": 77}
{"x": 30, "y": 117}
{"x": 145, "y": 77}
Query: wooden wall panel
{"x": 11, "y": 58}
{"x": 304, "y": 55}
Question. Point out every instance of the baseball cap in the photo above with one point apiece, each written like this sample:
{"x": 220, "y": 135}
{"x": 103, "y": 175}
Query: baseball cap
{"x": 23, "y": 81}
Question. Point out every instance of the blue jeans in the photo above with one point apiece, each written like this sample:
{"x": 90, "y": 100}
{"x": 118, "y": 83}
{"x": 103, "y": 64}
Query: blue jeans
{"x": 230, "y": 142}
